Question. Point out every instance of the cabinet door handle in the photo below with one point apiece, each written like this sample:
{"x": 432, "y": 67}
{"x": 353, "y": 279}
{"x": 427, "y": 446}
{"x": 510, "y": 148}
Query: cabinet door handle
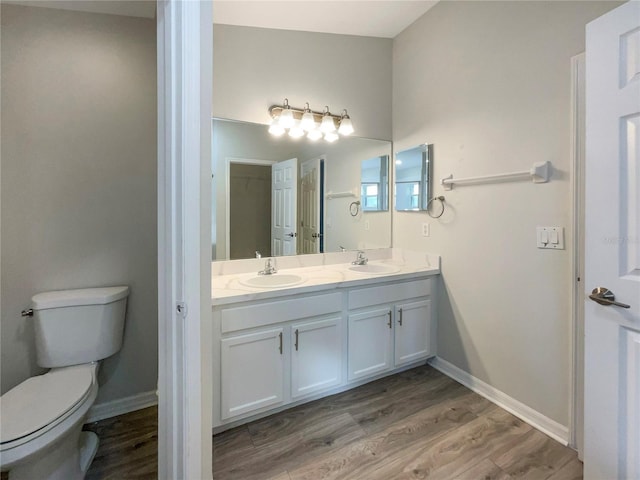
{"x": 389, "y": 323}
{"x": 280, "y": 335}
{"x": 400, "y": 315}
{"x": 296, "y": 339}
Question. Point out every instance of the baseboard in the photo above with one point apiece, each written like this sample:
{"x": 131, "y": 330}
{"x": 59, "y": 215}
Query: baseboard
{"x": 122, "y": 406}
{"x": 534, "y": 418}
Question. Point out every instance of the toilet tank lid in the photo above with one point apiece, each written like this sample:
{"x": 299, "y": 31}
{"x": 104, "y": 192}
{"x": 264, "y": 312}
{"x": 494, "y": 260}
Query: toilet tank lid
{"x": 84, "y": 296}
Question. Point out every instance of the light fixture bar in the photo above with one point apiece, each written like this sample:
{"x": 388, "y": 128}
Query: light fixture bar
{"x": 276, "y": 110}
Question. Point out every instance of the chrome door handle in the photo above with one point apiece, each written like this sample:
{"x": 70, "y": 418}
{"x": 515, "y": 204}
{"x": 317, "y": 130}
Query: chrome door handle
{"x": 296, "y": 340}
{"x": 389, "y": 323}
{"x": 400, "y": 315}
{"x": 292, "y": 234}
{"x": 316, "y": 235}
{"x": 605, "y": 297}
{"x": 280, "y": 335}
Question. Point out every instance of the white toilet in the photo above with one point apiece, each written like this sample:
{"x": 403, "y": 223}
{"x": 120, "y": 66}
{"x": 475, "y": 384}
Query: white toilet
{"x": 41, "y": 419}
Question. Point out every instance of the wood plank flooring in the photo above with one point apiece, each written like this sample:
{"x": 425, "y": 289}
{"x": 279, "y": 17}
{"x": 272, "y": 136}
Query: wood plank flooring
{"x": 418, "y": 424}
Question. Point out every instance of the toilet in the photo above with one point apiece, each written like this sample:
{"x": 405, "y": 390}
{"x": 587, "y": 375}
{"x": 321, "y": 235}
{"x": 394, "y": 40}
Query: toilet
{"x": 41, "y": 419}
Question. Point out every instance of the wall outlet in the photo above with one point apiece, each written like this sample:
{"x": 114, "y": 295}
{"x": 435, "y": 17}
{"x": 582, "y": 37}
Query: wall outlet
{"x": 425, "y": 230}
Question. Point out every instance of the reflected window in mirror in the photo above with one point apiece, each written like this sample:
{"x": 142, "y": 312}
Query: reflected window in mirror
{"x": 327, "y": 179}
{"x": 374, "y": 184}
{"x": 413, "y": 178}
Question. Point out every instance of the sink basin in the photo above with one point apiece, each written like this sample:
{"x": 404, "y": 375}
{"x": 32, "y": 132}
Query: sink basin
{"x": 272, "y": 281}
{"x": 374, "y": 269}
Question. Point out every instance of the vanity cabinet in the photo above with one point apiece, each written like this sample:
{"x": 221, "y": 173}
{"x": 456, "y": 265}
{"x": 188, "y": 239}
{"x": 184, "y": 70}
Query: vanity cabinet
{"x": 370, "y": 343}
{"x": 276, "y": 352}
{"x": 392, "y": 334}
{"x": 412, "y": 332}
{"x": 252, "y": 371}
{"x": 316, "y": 356}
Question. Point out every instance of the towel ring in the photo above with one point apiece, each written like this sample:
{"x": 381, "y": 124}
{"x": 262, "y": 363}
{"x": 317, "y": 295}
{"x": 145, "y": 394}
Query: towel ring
{"x": 354, "y": 208}
{"x": 441, "y": 200}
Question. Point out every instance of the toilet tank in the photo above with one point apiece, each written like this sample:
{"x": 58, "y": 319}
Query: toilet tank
{"x": 78, "y": 326}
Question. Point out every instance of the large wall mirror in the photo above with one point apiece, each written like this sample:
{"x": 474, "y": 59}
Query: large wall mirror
{"x": 280, "y": 196}
{"x": 414, "y": 168}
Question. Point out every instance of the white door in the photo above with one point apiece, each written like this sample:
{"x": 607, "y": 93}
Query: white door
{"x": 370, "y": 343}
{"x": 612, "y": 245}
{"x": 316, "y": 359}
{"x": 413, "y": 332}
{"x": 252, "y": 372}
{"x": 284, "y": 180}
{"x": 311, "y": 196}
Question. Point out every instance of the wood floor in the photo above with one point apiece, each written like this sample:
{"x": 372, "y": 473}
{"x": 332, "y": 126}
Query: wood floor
{"x": 415, "y": 425}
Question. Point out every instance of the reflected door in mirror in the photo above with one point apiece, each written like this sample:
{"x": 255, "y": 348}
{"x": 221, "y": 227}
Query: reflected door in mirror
{"x": 284, "y": 208}
{"x": 311, "y": 206}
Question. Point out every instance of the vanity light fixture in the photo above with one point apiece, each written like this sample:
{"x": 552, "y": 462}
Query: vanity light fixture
{"x": 296, "y": 122}
{"x": 327, "y": 124}
{"x": 308, "y": 121}
{"x": 345, "y": 128}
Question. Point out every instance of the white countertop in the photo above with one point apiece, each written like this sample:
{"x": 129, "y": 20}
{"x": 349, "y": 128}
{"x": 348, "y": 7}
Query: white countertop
{"x": 320, "y": 272}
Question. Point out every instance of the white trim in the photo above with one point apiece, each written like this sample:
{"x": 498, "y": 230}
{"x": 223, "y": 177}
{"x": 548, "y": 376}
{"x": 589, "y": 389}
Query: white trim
{"x": 534, "y": 418}
{"x": 121, "y": 406}
{"x": 227, "y": 186}
{"x": 185, "y": 42}
{"x": 576, "y": 337}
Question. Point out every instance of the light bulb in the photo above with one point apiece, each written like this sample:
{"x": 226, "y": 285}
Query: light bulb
{"x": 346, "y": 128}
{"x": 275, "y": 128}
{"x": 286, "y": 118}
{"x": 308, "y": 121}
{"x": 331, "y": 137}
{"x": 314, "y": 135}
{"x": 327, "y": 124}
{"x": 296, "y": 131}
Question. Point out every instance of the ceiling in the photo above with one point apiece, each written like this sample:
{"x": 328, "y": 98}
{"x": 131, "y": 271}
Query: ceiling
{"x": 371, "y": 18}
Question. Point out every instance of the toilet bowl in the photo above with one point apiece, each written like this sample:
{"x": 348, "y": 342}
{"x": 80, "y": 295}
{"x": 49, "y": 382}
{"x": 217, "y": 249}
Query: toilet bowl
{"x": 41, "y": 419}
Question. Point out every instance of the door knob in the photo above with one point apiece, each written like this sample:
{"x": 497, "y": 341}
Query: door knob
{"x": 605, "y": 297}
{"x": 290, "y": 234}
{"x": 316, "y": 235}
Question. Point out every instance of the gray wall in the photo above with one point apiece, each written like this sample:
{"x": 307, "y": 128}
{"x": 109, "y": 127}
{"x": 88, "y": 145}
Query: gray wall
{"x": 488, "y": 83}
{"x": 255, "y": 68}
{"x": 79, "y": 178}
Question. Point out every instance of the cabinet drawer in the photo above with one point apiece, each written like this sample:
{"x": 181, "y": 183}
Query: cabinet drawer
{"x": 258, "y": 315}
{"x": 365, "y": 297}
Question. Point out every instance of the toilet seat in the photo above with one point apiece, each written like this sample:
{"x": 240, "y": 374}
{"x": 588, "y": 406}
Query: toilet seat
{"x": 42, "y": 402}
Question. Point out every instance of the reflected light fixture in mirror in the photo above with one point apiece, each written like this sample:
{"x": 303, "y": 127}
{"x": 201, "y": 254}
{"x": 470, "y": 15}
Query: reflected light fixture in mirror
{"x": 298, "y": 122}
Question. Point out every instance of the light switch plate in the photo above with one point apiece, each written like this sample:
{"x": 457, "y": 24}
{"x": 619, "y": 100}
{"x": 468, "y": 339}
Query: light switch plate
{"x": 550, "y": 237}
{"x": 425, "y": 230}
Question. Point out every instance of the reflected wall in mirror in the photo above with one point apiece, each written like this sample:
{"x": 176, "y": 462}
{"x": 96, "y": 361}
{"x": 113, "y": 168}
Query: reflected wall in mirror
{"x": 374, "y": 184}
{"x": 280, "y": 196}
{"x": 413, "y": 178}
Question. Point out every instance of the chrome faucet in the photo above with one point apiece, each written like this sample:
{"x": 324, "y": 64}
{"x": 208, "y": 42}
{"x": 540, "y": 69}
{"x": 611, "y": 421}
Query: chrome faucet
{"x": 258, "y": 254}
{"x": 360, "y": 259}
{"x": 269, "y": 268}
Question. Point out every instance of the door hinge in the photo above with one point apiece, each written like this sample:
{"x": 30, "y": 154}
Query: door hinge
{"x": 181, "y": 308}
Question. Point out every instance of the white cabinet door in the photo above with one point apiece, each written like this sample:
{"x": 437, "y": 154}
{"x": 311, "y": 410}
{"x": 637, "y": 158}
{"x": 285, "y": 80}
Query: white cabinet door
{"x": 412, "y": 332}
{"x": 316, "y": 356}
{"x": 370, "y": 343}
{"x": 252, "y": 372}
